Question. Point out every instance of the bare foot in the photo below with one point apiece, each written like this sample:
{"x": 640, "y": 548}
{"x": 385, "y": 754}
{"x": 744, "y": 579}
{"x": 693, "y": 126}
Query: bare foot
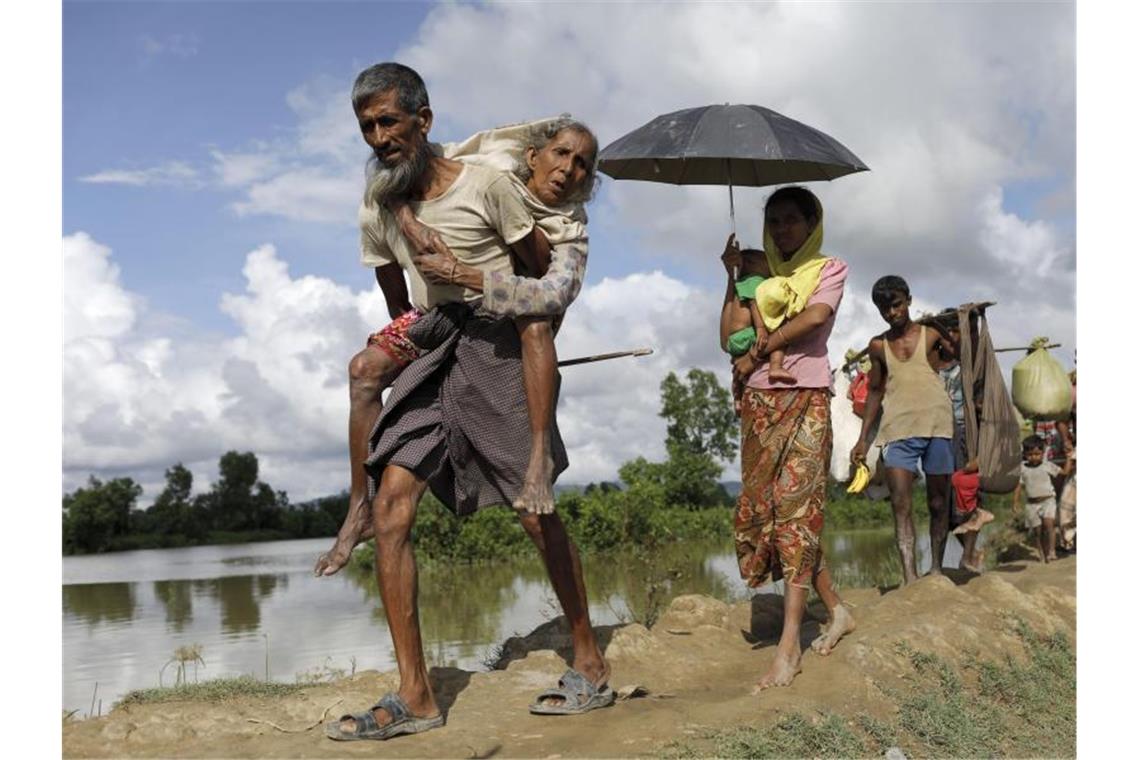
{"x": 356, "y": 528}
{"x": 976, "y": 521}
{"x": 537, "y": 495}
{"x": 976, "y": 565}
{"x": 784, "y": 668}
{"x": 780, "y": 375}
{"x": 842, "y": 623}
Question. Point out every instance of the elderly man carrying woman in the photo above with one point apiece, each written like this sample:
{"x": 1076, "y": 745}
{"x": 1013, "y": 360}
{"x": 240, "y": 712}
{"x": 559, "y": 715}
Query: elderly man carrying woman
{"x": 786, "y": 428}
{"x": 458, "y": 419}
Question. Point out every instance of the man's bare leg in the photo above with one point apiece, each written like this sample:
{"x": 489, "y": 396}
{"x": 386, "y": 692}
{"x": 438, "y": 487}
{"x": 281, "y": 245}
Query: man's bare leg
{"x": 564, "y": 568}
{"x": 540, "y": 365}
{"x": 369, "y": 373}
{"x": 840, "y": 620}
{"x": 938, "y": 502}
{"x": 900, "y": 481}
{"x": 788, "y": 653}
{"x": 393, "y": 513}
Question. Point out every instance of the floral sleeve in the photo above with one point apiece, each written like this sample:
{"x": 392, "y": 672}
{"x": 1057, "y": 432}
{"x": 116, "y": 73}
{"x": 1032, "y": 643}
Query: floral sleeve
{"x": 515, "y": 295}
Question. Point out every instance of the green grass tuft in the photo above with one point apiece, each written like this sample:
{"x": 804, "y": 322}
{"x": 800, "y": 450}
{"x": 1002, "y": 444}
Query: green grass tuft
{"x": 212, "y": 691}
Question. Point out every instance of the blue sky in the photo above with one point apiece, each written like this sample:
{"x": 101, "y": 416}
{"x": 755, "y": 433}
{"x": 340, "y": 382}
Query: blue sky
{"x": 149, "y": 83}
{"x": 211, "y": 167}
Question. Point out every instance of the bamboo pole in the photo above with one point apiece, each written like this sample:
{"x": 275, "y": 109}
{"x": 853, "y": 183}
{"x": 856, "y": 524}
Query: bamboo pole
{"x": 1025, "y": 348}
{"x": 943, "y": 321}
{"x": 604, "y": 357}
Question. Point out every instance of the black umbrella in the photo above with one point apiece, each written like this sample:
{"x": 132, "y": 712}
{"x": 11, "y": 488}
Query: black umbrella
{"x": 727, "y": 145}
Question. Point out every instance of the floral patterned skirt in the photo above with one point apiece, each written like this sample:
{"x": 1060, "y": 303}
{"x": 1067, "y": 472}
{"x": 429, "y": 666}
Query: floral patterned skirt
{"x": 785, "y": 453}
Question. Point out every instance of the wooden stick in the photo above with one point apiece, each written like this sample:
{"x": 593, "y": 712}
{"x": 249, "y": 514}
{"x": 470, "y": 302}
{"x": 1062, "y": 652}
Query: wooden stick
{"x": 1025, "y": 348}
{"x": 603, "y": 357}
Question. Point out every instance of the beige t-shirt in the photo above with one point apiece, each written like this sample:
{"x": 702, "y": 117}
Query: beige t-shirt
{"x": 478, "y": 217}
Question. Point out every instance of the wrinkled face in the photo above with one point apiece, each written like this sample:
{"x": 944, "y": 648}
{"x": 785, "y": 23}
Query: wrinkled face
{"x": 393, "y": 134}
{"x": 788, "y": 226}
{"x": 1034, "y": 457}
{"x": 896, "y": 312}
{"x": 560, "y": 169}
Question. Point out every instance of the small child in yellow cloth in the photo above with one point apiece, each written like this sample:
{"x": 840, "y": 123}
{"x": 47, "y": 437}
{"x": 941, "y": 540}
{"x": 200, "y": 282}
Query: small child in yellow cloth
{"x": 747, "y": 323}
{"x": 746, "y": 320}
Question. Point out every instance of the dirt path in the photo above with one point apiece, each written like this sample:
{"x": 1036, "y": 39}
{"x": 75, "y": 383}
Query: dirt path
{"x": 698, "y": 664}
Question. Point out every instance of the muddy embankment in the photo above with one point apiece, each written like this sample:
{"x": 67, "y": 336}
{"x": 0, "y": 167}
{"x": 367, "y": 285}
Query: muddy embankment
{"x": 697, "y": 666}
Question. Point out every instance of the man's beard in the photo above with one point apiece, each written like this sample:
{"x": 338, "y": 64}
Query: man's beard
{"x": 388, "y": 182}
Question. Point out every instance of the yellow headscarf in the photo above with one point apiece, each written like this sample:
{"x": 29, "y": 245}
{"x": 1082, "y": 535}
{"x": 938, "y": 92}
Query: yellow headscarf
{"x": 786, "y": 292}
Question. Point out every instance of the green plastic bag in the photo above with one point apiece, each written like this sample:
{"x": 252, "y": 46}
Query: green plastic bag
{"x": 1041, "y": 387}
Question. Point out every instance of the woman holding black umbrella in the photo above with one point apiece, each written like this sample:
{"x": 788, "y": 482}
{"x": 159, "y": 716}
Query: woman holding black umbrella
{"x": 786, "y": 430}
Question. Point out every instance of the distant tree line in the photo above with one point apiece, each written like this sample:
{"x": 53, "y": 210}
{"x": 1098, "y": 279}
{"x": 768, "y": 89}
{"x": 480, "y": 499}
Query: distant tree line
{"x": 104, "y": 516}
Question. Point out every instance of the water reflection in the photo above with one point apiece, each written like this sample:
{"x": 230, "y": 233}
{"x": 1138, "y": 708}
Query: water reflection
{"x": 463, "y": 606}
{"x": 96, "y": 603}
{"x": 240, "y": 598}
{"x": 178, "y": 601}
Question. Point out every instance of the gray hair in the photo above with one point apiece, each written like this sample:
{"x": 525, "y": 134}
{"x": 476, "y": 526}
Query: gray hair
{"x": 542, "y": 134}
{"x": 411, "y": 93}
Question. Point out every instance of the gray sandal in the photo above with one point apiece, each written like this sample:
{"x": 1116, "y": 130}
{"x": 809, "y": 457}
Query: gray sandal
{"x": 578, "y": 695}
{"x": 403, "y": 722}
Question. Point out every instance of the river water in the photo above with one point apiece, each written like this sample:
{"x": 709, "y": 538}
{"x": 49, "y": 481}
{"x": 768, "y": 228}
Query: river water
{"x": 257, "y": 609}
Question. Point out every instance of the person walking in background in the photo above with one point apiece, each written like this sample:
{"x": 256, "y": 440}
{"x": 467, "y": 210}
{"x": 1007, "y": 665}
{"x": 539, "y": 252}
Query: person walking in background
{"x": 918, "y": 420}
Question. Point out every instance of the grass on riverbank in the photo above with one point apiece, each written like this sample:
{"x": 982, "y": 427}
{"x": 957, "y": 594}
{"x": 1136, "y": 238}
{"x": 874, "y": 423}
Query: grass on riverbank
{"x": 211, "y": 691}
{"x": 972, "y": 708}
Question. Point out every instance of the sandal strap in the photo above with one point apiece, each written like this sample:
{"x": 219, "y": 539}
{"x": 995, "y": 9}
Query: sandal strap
{"x": 575, "y": 681}
{"x": 365, "y": 722}
{"x": 394, "y": 705}
{"x": 570, "y": 697}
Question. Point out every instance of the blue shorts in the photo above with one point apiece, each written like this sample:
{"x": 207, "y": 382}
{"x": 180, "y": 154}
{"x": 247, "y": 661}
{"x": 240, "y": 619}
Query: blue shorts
{"x": 937, "y": 455}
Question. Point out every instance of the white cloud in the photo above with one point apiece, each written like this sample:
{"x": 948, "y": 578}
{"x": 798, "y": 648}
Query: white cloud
{"x": 177, "y": 45}
{"x": 172, "y": 173}
{"x": 307, "y": 195}
{"x": 95, "y": 304}
{"x": 242, "y": 168}
{"x": 136, "y": 403}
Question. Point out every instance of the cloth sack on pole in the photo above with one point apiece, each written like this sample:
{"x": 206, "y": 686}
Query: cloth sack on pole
{"x": 993, "y": 435}
{"x": 1041, "y": 387}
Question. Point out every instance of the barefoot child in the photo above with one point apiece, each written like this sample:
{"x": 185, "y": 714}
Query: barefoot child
{"x": 968, "y": 515}
{"x": 1040, "y": 500}
{"x": 742, "y": 325}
